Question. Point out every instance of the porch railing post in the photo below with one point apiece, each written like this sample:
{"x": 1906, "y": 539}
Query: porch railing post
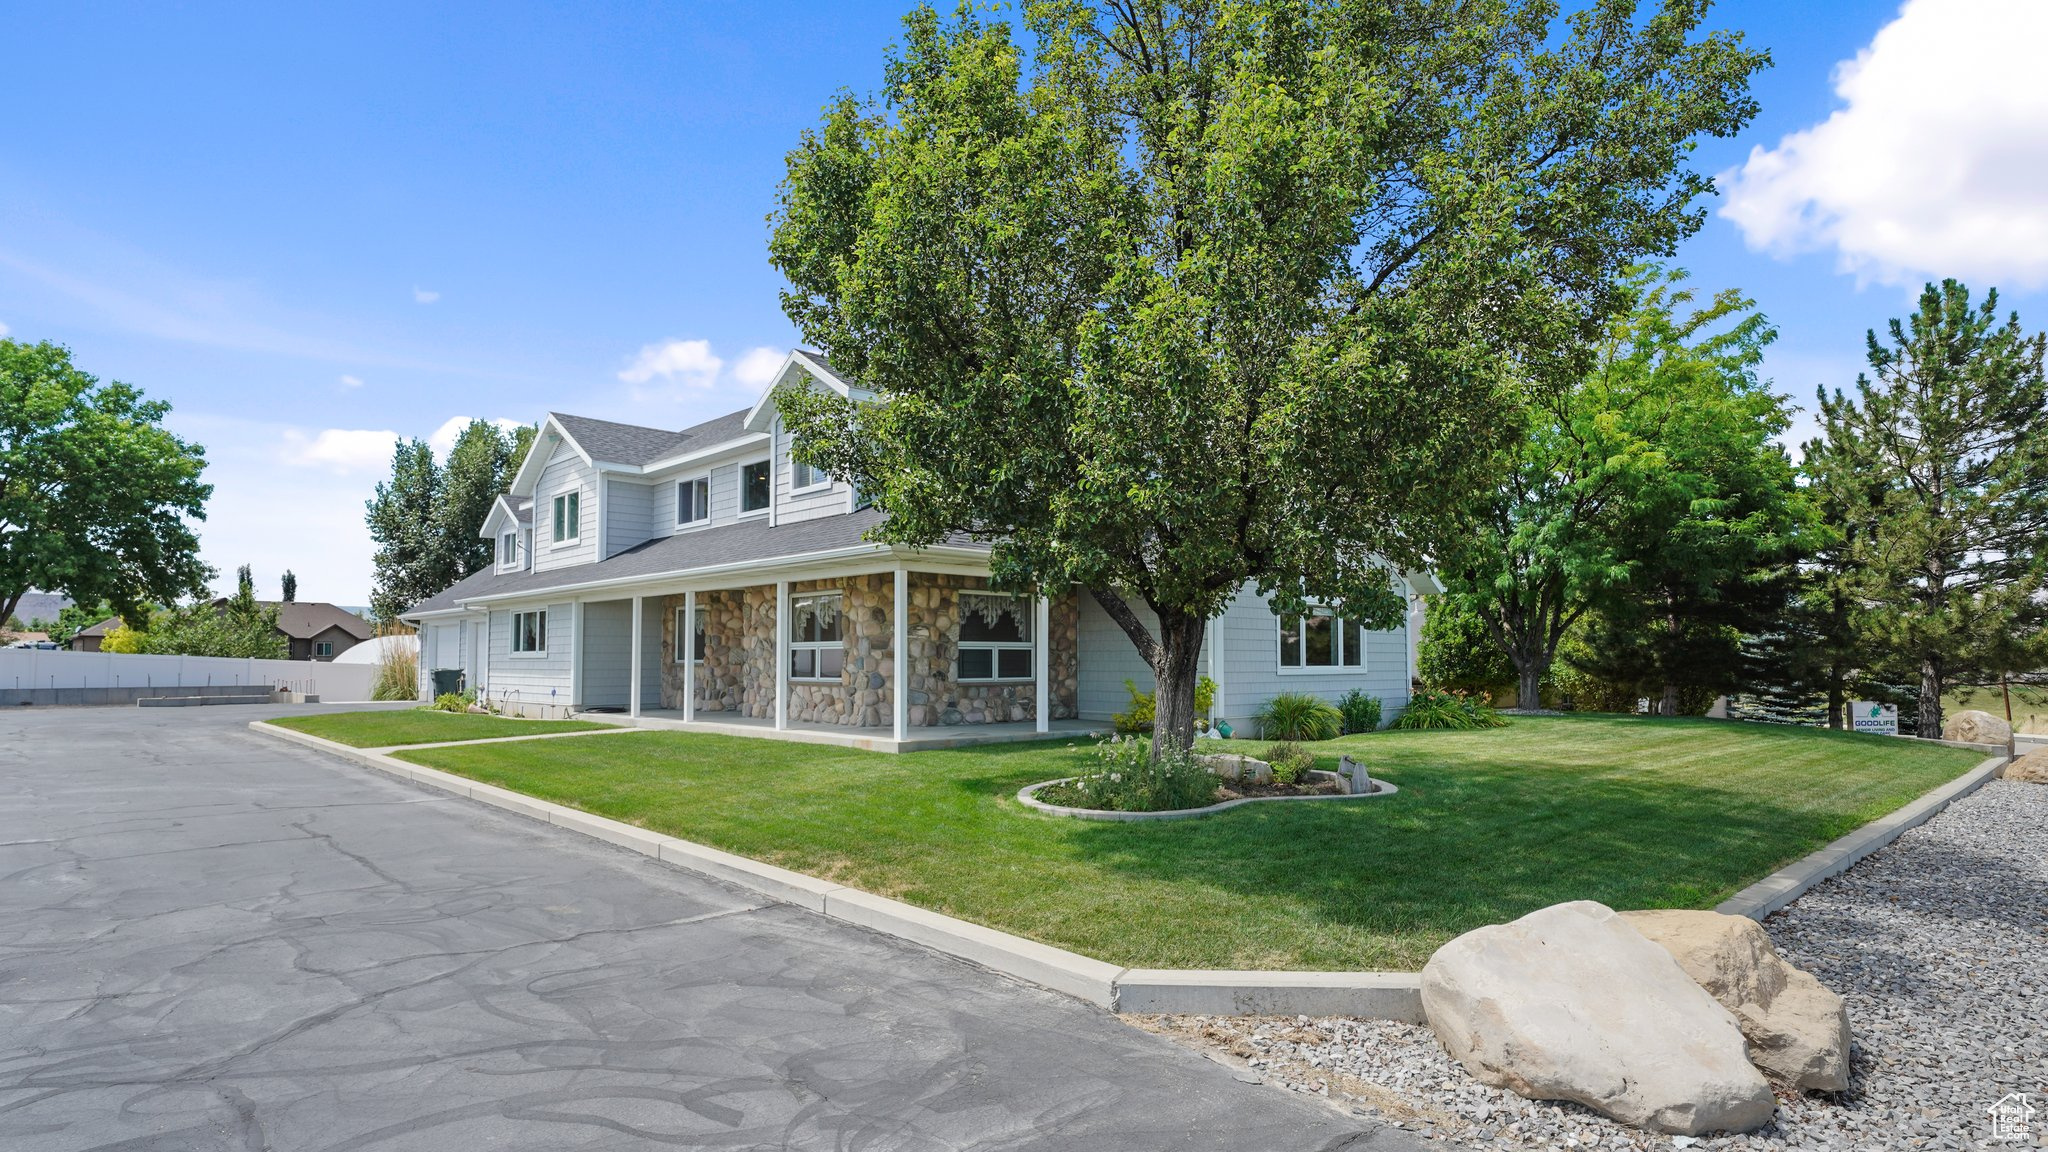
{"x": 781, "y": 655}
{"x": 1042, "y": 629}
{"x": 899, "y": 653}
{"x": 686, "y": 649}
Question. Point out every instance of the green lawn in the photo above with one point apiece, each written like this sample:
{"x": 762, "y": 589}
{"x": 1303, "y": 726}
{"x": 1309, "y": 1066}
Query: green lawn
{"x": 1633, "y": 812}
{"x": 421, "y": 726}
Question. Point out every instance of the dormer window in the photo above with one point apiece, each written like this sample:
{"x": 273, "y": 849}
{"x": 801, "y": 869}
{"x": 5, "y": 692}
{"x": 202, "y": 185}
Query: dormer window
{"x": 756, "y": 489}
{"x": 802, "y": 476}
{"x": 568, "y": 513}
{"x": 508, "y": 549}
{"x": 693, "y": 501}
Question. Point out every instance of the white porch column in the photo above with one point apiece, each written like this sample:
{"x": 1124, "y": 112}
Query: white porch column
{"x": 899, "y": 692}
{"x": 686, "y": 651}
{"x": 633, "y": 686}
{"x": 1041, "y": 627}
{"x": 781, "y": 654}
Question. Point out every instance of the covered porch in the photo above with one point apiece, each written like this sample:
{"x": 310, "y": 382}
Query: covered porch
{"x": 814, "y": 657}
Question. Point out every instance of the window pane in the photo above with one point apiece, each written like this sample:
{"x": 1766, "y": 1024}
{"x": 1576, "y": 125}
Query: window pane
{"x": 697, "y": 646}
{"x": 831, "y": 662}
{"x": 540, "y": 631}
{"x": 1354, "y": 644}
{"x": 1321, "y": 653}
{"x": 560, "y": 503}
{"x": 1290, "y": 641}
{"x": 1013, "y": 663}
{"x": 575, "y": 514}
{"x": 803, "y": 662}
{"x": 686, "y": 502}
{"x": 986, "y": 618}
{"x": 800, "y": 475}
{"x": 977, "y": 663}
{"x": 754, "y": 486}
{"x": 827, "y": 626}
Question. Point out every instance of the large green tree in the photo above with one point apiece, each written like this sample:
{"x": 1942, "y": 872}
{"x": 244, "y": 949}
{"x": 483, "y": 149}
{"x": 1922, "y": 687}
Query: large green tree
{"x": 97, "y": 497}
{"x": 1206, "y": 294}
{"x": 480, "y": 467}
{"x": 425, "y": 518}
{"x": 1939, "y": 461}
{"x": 1647, "y": 486}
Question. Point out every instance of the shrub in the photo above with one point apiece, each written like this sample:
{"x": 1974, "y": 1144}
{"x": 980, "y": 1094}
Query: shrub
{"x": 1127, "y": 779}
{"x": 1437, "y": 709}
{"x": 1361, "y": 712}
{"x": 1144, "y": 704}
{"x": 1291, "y": 762}
{"x": 453, "y": 702}
{"x": 1298, "y": 716}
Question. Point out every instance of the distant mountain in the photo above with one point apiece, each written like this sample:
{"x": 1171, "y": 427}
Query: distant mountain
{"x": 41, "y": 606}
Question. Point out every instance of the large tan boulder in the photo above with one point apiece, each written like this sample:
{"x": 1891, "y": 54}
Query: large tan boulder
{"x": 1974, "y": 727}
{"x": 1572, "y": 1003}
{"x": 1798, "y": 1030}
{"x": 2031, "y": 768}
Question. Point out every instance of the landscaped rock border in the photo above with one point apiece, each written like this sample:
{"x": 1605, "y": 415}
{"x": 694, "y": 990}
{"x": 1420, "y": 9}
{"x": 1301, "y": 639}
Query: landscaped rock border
{"x": 1028, "y": 797}
{"x": 1367, "y": 995}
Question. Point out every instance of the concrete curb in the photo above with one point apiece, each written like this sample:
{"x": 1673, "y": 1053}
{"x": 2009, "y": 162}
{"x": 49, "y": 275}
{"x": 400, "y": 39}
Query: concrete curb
{"x": 1797, "y": 878}
{"x": 1027, "y": 797}
{"x": 1213, "y": 992}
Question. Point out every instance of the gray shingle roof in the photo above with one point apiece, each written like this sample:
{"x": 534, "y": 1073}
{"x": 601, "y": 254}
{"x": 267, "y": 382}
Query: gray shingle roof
{"x": 679, "y": 554}
{"x": 633, "y": 444}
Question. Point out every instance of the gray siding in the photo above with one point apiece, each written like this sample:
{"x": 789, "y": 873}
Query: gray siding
{"x": 829, "y": 500}
{"x": 607, "y": 652}
{"x": 1107, "y": 658}
{"x": 724, "y": 498}
{"x": 532, "y": 678}
{"x": 565, "y": 472}
{"x": 629, "y": 513}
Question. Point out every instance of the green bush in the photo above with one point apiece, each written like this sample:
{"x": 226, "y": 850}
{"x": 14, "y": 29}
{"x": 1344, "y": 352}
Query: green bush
{"x": 1144, "y": 704}
{"x": 1361, "y": 712}
{"x": 453, "y": 702}
{"x": 1298, "y": 716}
{"x": 1291, "y": 762}
{"x": 1437, "y": 709}
{"x": 1127, "y": 779}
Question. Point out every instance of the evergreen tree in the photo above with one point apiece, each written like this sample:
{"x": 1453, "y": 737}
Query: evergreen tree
{"x": 480, "y": 466}
{"x": 410, "y": 562}
{"x": 1940, "y": 464}
{"x": 290, "y": 584}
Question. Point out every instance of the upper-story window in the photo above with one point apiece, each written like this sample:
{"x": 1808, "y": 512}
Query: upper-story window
{"x": 508, "y": 549}
{"x": 568, "y": 517}
{"x": 802, "y": 476}
{"x": 693, "y": 501}
{"x": 756, "y": 487}
{"x": 995, "y": 637}
{"x": 815, "y": 649}
{"x": 1321, "y": 639}
{"x": 323, "y": 648}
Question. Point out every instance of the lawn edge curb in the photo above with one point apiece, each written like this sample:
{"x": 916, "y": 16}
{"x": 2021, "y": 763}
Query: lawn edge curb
{"x": 1796, "y": 879}
{"x": 1026, "y": 797}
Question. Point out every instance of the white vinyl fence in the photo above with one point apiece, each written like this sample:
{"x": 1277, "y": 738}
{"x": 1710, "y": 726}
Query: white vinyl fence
{"x": 35, "y": 668}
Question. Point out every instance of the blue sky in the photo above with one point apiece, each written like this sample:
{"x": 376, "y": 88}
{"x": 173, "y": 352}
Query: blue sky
{"x": 310, "y": 230}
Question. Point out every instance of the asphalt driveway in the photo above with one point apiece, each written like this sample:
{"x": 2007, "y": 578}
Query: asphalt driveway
{"x": 213, "y": 940}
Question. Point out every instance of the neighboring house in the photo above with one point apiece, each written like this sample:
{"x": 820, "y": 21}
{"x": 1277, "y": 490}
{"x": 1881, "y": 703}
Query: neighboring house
{"x": 703, "y": 577}
{"x": 313, "y": 630}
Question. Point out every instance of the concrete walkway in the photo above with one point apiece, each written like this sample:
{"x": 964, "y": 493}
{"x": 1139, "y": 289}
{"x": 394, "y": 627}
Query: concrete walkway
{"x": 210, "y": 940}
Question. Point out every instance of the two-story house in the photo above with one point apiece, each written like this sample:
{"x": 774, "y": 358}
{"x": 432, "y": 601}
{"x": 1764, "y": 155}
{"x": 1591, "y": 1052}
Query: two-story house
{"x": 703, "y": 578}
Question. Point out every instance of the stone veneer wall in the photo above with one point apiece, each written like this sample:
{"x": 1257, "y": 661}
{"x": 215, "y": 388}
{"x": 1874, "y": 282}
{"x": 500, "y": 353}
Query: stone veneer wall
{"x": 739, "y": 657}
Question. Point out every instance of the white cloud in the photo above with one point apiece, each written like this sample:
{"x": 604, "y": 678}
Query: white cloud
{"x": 339, "y": 450}
{"x": 4, "y": 330}
{"x": 423, "y": 296}
{"x": 442, "y": 439}
{"x": 757, "y": 368}
{"x": 1934, "y": 165}
{"x": 351, "y": 382}
{"x": 676, "y": 361}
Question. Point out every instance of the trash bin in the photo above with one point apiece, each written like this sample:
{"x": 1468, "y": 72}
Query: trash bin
{"x": 447, "y": 681}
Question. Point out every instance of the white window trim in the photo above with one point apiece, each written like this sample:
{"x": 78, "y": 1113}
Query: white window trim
{"x": 821, "y": 484}
{"x": 554, "y": 520}
{"x": 512, "y": 639}
{"x": 701, "y": 522}
{"x": 505, "y": 565}
{"x": 686, "y": 636}
{"x": 996, "y": 647}
{"x": 1336, "y": 647}
{"x": 796, "y": 645}
{"x": 739, "y": 498}
{"x": 320, "y": 644}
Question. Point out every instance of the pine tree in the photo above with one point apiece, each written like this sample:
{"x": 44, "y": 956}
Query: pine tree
{"x": 1940, "y": 464}
{"x": 291, "y": 586}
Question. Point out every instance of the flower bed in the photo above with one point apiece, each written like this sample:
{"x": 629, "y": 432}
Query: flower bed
{"x": 1318, "y": 785}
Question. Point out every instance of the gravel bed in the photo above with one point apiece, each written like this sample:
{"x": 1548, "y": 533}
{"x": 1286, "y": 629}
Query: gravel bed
{"x": 1939, "y": 944}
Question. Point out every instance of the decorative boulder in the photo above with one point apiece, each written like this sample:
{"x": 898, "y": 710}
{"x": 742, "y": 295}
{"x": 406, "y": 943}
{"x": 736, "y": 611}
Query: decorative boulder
{"x": 1233, "y": 766}
{"x": 1974, "y": 727}
{"x": 1572, "y": 1003}
{"x": 1798, "y": 1031}
{"x": 2030, "y": 769}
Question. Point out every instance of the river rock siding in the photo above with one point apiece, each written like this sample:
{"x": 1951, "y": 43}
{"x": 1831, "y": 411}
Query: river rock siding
{"x": 738, "y": 673}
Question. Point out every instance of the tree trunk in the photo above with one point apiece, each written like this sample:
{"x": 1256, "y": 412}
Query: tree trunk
{"x": 1528, "y": 684}
{"x": 1179, "y": 667}
{"x": 1837, "y": 704}
{"x": 1668, "y": 706}
{"x": 1930, "y": 698}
